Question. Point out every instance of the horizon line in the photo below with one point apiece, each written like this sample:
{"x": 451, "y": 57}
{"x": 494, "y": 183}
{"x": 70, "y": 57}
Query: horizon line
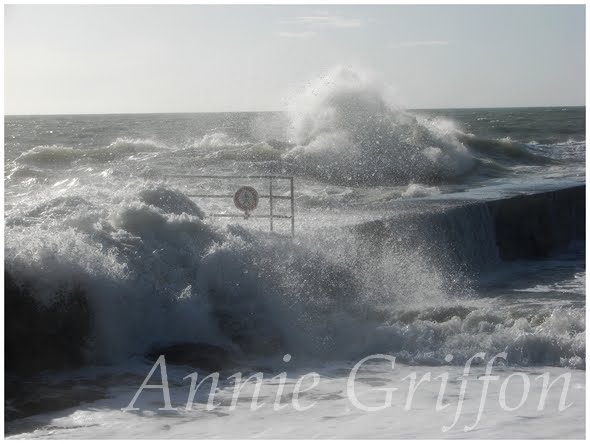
{"x": 282, "y": 111}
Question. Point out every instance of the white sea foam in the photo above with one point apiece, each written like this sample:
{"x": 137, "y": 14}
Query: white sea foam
{"x": 218, "y": 140}
{"x": 332, "y": 413}
{"x": 156, "y": 272}
{"x": 347, "y": 130}
{"x": 417, "y": 190}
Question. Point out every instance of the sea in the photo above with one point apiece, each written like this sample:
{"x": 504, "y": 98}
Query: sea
{"x": 123, "y": 241}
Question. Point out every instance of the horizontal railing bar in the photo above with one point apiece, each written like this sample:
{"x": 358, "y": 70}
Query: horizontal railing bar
{"x": 228, "y": 177}
{"x": 274, "y": 216}
{"x": 230, "y": 196}
{"x": 225, "y": 196}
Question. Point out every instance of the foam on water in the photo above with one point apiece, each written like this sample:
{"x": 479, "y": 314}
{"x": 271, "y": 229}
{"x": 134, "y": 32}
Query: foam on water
{"x": 155, "y": 271}
{"x": 332, "y": 414}
{"x": 347, "y": 131}
{"x": 417, "y": 190}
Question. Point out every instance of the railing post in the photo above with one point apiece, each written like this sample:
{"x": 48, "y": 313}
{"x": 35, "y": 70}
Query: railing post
{"x": 270, "y": 200}
{"x": 292, "y": 209}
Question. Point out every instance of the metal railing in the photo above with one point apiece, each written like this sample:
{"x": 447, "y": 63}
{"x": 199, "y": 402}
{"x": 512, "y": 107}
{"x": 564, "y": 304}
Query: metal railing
{"x": 270, "y": 196}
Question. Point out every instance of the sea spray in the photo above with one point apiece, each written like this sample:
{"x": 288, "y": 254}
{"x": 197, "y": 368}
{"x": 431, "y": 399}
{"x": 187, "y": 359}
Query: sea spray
{"x": 347, "y": 131}
{"x": 154, "y": 271}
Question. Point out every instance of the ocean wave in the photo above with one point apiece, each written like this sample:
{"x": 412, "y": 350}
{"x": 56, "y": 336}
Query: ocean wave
{"x": 417, "y": 190}
{"x": 504, "y": 151}
{"x": 132, "y": 146}
{"x": 25, "y": 172}
{"x": 347, "y": 131}
{"x": 144, "y": 267}
{"x": 570, "y": 150}
{"x": 541, "y": 337}
{"x": 131, "y": 261}
{"x": 220, "y": 147}
{"x": 219, "y": 140}
{"x": 64, "y": 156}
{"x": 258, "y": 152}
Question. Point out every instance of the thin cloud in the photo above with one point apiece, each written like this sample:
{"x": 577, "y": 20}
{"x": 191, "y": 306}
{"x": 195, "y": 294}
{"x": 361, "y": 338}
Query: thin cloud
{"x": 298, "y": 35}
{"x": 414, "y": 44}
{"x": 327, "y": 21}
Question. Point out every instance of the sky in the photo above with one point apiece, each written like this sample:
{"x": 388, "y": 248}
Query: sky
{"x": 70, "y": 59}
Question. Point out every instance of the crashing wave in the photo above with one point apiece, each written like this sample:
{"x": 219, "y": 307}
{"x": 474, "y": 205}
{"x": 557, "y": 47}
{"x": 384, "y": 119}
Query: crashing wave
{"x": 347, "y": 131}
{"x": 144, "y": 268}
